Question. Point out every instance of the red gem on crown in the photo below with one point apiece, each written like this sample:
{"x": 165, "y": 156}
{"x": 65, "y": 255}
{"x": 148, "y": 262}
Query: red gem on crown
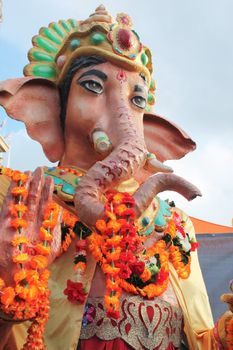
{"x": 125, "y": 39}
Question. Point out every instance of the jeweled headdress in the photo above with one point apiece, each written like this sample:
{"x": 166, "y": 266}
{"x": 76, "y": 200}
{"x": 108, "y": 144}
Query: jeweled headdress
{"x": 56, "y": 46}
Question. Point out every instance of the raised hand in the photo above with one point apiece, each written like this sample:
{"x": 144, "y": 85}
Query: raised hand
{"x": 225, "y": 323}
{"x": 40, "y": 192}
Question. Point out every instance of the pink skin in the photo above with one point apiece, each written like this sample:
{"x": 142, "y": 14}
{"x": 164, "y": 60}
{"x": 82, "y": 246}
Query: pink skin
{"x": 115, "y": 112}
{"x": 87, "y": 111}
{"x": 159, "y": 183}
{"x": 40, "y": 192}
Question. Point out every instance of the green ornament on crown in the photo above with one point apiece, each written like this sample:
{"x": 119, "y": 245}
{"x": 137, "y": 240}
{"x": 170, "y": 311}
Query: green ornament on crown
{"x": 46, "y": 45}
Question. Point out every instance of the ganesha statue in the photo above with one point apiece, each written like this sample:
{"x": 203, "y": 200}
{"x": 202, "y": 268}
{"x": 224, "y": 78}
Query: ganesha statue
{"x": 90, "y": 256}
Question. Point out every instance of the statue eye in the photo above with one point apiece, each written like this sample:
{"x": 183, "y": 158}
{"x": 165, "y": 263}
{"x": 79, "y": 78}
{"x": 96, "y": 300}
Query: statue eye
{"x": 139, "y": 101}
{"x": 92, "y": 85}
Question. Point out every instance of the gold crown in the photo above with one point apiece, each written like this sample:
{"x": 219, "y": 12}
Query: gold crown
{"x": 60, "y": 43}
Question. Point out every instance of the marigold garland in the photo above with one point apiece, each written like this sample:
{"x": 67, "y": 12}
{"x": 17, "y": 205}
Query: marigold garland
{"x": 29, "y": 298}
{"x": 127, "y": 264}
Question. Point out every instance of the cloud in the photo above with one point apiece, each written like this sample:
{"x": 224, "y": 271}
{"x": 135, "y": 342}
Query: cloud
{"x": 210, "y": 169}
{"x": 24, "y": 154}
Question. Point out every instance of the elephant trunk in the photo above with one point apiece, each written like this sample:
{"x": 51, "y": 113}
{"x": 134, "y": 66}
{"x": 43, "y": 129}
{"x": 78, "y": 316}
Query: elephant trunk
{"x": 122, "y": 163}
{"x": 163, "y": 182}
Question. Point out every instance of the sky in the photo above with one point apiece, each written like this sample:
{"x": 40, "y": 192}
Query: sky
{"x": 191, "y": 42}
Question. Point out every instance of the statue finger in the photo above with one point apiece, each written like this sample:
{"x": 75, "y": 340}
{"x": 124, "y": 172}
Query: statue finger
{"x": 46, "y": 196}
{"x": 56, "y": 242}
{"x": 228, "y": 298}
{"x": 34, "y": 195}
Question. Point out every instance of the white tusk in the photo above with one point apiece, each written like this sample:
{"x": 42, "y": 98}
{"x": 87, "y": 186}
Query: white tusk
{"x": 155, "y": 166}
{"x": 101, "y": 142}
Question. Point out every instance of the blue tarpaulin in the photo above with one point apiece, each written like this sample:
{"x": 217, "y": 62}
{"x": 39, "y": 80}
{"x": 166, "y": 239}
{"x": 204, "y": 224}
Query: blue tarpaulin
{"x": 216, "y": 259}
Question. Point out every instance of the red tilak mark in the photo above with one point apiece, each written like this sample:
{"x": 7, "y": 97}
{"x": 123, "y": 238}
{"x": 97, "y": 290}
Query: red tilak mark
{"x": 121, "y": 76}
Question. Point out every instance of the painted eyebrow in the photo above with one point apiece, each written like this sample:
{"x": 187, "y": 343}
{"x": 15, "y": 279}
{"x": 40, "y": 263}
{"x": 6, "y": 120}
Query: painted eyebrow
{"x": 143, "y": 78}
{"x": 95, "y": 72}
{"x": 138, "y": 88}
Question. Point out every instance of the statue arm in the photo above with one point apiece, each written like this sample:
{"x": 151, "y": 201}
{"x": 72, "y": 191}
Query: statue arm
{"x": 192, "y": 295}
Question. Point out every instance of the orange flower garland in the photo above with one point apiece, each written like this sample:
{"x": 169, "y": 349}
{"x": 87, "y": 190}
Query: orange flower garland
{"x": 68, "y": 222}
{"x": 29, "y": 298}
{"x": 113, "y": 244}
{"x": 182, "y": 269}
{"x": 128, "y": 265}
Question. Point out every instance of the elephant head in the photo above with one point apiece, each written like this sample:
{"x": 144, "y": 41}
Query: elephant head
{"x": 89, "y": 109}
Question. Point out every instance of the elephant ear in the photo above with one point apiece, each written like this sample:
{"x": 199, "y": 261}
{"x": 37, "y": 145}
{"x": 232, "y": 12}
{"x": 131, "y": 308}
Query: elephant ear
{"x": 165, "y": 139}
{"x": 36, "y": 102}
